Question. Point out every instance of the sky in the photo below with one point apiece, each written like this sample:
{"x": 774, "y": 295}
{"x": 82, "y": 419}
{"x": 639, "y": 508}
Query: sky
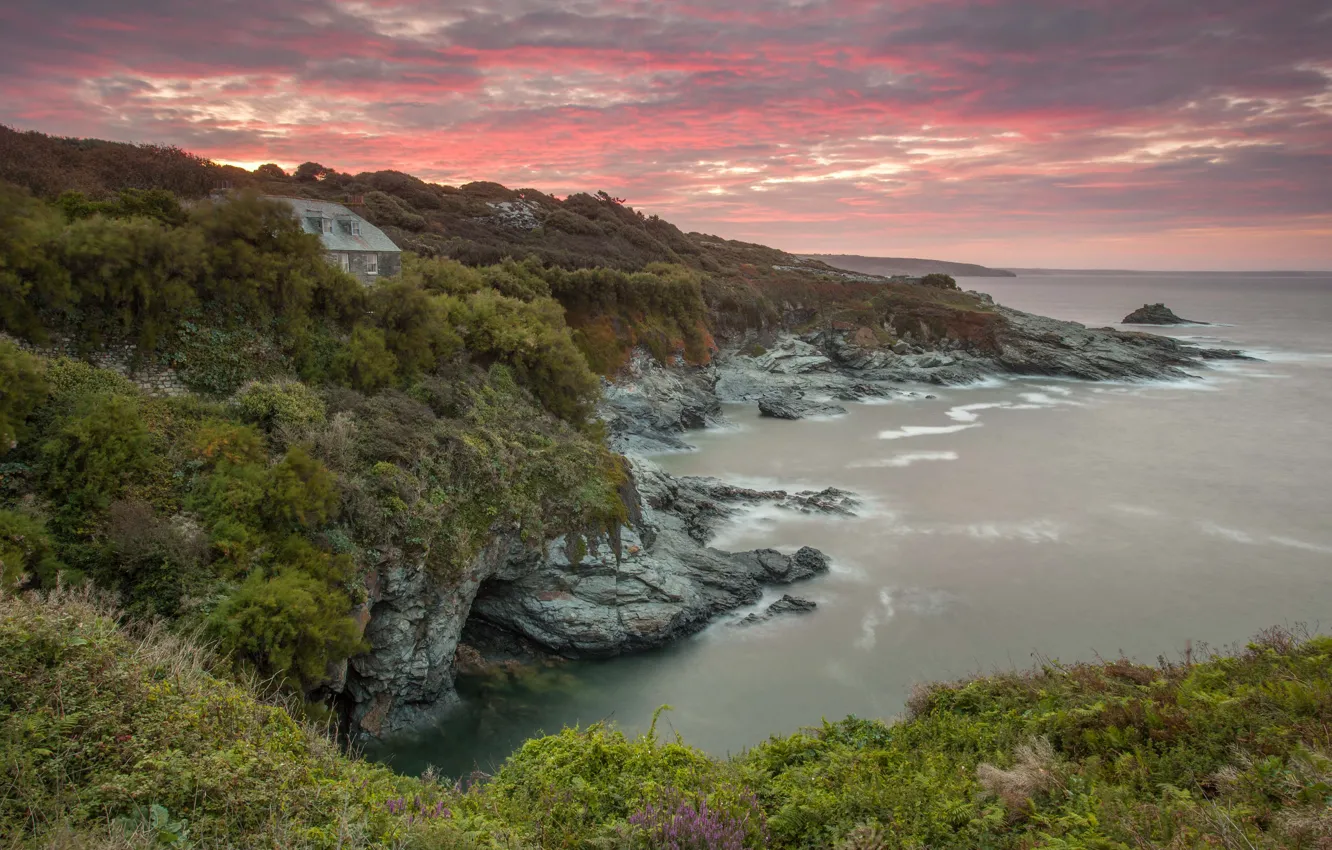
{"x": 1159, "y": 134}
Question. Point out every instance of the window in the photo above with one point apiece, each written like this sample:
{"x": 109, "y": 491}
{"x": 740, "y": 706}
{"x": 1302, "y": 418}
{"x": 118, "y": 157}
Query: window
{"x": 356, "y": 228}
{"x": 345, "y": 261}
{"x": 315, "y": 224}
{"x": 372, "y": 264}
{"x": 328, "y": 225}
{"x": 350, "y": 226}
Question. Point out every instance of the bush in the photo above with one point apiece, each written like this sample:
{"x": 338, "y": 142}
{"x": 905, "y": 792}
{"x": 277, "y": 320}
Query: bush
{"x": 533, "y": 339}
{"x": 300, "y": 492}
{"x": 938, "y": 280}
{"x": 97, "y": 451}
{"x": 26, "y": 552}
{"x": 279, "y": 404}
{"x": 23, "y": 388}
{"x": 366, "y": 363}
{"x": 290, "y": 625}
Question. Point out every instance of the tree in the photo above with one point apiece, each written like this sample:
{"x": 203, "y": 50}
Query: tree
{"x": 32, "y": 281}
{"x": 939, "y": 281}
{"x": 311, "y": 172}
{"x": 273, "y": 171}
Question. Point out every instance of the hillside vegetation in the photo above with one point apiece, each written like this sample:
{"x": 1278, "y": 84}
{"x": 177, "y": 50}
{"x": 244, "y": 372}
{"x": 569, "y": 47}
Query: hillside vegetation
{"x": 329, "y": 426}
{"x": 746, "y": 288}
{"x": 115, "y": 736}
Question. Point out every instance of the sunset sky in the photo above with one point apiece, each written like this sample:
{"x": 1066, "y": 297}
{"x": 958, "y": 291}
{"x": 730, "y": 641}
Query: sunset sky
{"x": 1066, "y": 133}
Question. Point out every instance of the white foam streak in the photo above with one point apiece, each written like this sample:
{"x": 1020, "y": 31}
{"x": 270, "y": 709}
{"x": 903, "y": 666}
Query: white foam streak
{"x": 968, "y": 412}
{"x": 1037, "y": 531}
{"x": 901, "y": 460}
{"x": 1044, "y": 400}
{"x": 876, "y": 617}
{"x": 1236, "y": 536}
{"x": 923, "y": 431}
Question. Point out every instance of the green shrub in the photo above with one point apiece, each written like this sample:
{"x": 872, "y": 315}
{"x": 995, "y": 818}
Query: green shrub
{"x": 533, "y": 339}
{"x": 97, "y": 451}
{"x": 276, "y": 404}
{"x": 23, "y": 387}
{"x": 300, "y": 492}
{"x": 26, "y": 550}
{"x": 74, "y": 380}
{"x": 366, "y": 363}
{"x": 290, "y": 625}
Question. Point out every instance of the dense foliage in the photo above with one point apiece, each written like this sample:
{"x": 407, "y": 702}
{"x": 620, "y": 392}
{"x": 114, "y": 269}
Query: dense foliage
{"x": 745, "y": 287}
{"x": 332, "y": 424}
{"x": 122, "y": 737}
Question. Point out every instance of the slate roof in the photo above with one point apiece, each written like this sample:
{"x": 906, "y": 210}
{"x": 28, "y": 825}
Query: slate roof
{"x": 371, "y": 238}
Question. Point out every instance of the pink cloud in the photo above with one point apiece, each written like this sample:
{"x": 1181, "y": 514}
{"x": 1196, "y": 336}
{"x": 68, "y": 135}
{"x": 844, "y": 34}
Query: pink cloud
{"x": 1000, "y": 131}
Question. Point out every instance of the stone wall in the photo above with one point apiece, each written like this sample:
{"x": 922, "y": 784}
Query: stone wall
{"x": 152, "y": 377}
{"x": 390, "y": 263}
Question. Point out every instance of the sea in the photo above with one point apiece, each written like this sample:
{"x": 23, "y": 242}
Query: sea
{"x": 1013, "y": 523}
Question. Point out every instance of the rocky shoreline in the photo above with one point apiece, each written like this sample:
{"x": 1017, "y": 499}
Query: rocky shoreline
{"x": 657, "y": 579}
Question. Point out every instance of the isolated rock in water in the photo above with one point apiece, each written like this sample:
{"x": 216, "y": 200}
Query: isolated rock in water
{"x": 793, "y": 406}
{"x": 1156, "y": 314}
{"x": 788, "y": 604}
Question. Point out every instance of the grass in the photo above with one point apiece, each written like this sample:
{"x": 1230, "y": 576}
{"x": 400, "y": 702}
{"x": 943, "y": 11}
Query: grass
{"x": 120, "y": 734}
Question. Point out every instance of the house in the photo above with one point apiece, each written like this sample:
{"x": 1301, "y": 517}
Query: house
{"x": 351, "y": 242}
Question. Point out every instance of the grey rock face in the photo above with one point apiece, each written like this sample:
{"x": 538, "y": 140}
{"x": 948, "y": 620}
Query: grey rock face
{"x": 1034, "y": 345}
{"x": 589, "y": 597}
{"x": 660, "y": 583}
{"x": 415, "y": 619}
{"x": 649, "y": 406}
{"x": 789, "y": 604}
{"x": 795, "y": 406}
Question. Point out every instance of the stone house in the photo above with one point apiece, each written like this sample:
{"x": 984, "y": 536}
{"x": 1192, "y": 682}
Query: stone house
{"x": 351, "y": 242}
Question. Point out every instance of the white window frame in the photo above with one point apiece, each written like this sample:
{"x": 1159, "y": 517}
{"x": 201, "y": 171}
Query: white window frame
{"x": 344, "y": 259}
{"x": 356, "y": 227}
{"x": 372, "y": 263}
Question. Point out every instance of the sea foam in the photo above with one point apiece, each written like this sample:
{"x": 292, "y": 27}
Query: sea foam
{"x": 923, "y": 431}
{"x": 903, "y": 459}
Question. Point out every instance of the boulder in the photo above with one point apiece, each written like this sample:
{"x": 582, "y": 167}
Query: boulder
{"x": 788, "y": 604}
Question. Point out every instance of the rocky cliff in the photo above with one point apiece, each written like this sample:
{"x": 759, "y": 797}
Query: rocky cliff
{"x": 656, "y": 578}
{"x": 596, "y": 595}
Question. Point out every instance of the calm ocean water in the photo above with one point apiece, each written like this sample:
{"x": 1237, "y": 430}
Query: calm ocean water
{"x": 1029, "y": 517}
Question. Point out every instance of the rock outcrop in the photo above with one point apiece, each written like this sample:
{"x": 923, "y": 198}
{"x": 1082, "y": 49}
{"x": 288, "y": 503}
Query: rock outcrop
{"x": 597, "y": 597}
{"x": 649, "y": 405}
{"x": 659, "y": 579}
{"x": 788, "y": 604}
{"x": 796, "y": 406}
{"x": 415, "y": 619}
{"x": 1156, "y": 314}
{"x": 577, "y": 597}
